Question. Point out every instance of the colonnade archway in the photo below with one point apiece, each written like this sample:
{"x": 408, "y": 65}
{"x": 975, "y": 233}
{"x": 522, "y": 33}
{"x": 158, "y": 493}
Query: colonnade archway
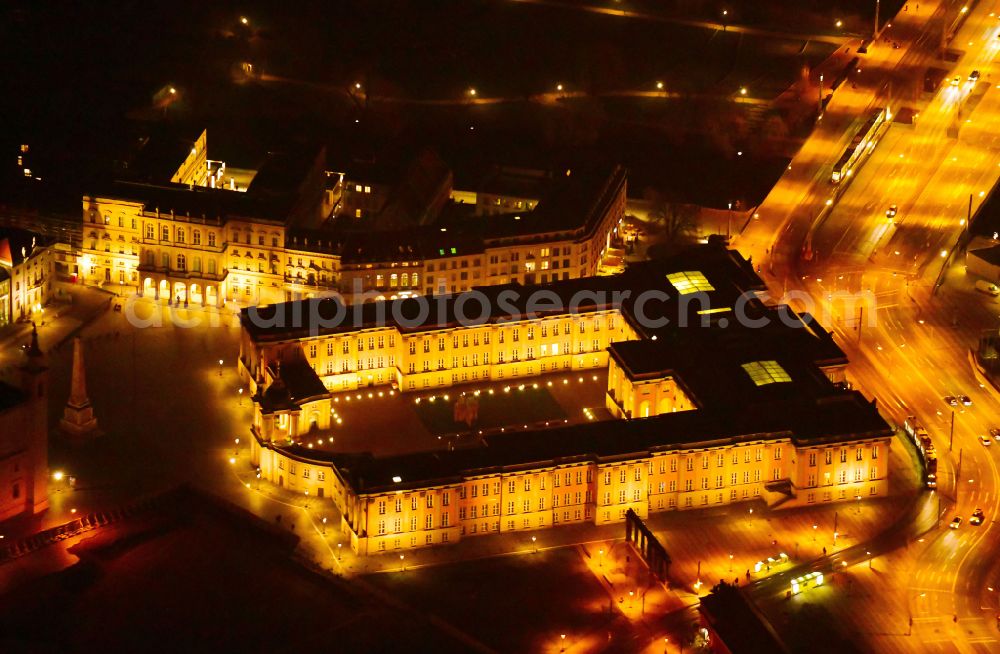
{"x": 181, "y": 293}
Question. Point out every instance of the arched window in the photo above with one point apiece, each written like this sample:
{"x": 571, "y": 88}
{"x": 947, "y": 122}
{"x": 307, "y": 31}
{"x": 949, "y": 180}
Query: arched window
{"x": 196, "y": 264}
{"x": 405, "y": 279}
{"x": 211, "y": 266}
{"x": 181, "y": 262}
{"x": 393, "y": 280}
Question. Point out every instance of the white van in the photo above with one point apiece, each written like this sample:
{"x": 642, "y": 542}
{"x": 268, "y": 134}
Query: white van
{"x": 989, "y": 288}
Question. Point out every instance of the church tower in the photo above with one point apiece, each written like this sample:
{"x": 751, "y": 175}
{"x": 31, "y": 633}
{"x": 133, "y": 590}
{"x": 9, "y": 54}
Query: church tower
{"x": 35, "y": 385}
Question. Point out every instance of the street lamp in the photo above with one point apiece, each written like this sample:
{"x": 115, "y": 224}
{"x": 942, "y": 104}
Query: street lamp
{"x": 743, "y": 90}
{"x": 562, "y": 639}
{"x": 533, "y": 543}
{"x": 600, "y": 563}
{"x": 402, "y": 563}
{"x": 244, "y": 20}
{"x": 659, "y": 86}
{"x": 869, "y": 555}
{"x": 240, "y": 391}
{"x": 236, "y": 449}
{"x": 730, "y": 561}
{"x": 220, "y": 367}
{"x": 324, "y": 526}
{"x": 339, "y": 545}
{"x": 815, "y": 527}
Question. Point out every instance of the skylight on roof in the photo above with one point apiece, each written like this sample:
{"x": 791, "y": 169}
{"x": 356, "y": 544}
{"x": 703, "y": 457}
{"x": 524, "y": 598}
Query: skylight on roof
{"x": 689, "y": 281}
{"x": 766, "y": 372}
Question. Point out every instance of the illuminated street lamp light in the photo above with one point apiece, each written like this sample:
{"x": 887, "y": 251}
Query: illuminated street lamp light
{"x": 220, "y": 367}
{"x": 559, "y": 87}
{"x": 244, "y": 20}
{"x": 173, "y": 91}
{"x": 562, "y": 642}
{"x": 240, "y": 391}
{"x": 815, "y": 527}
{"x": 659, "y": 86}
{"x": 402, "y": 562}
{"x": 839, "y": 24}
{"x": 743, "y": 90}
{"x": 236, "y": 448}
{"x": 533, "y": 543}
{"x": 339, "y": 545}
{"x": 600, "y": 563}
{"x": 730, "y": 561}
{"x": 324, "y": 526}
{"x": 58, "y": 475}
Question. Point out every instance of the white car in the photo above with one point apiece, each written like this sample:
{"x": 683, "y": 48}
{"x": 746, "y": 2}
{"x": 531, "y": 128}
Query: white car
{"x": 955, "y": 523}
{"x": 985, "y": 440}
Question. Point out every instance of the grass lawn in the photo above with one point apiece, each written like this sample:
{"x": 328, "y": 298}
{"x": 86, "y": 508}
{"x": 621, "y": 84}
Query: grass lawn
{"x": 532, "y": 404}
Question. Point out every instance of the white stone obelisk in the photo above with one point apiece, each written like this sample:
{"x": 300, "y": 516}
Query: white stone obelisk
{"x": 78, "y": 416}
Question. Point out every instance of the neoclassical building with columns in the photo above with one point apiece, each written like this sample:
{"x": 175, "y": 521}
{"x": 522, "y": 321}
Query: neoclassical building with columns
{"x": 717, "y": 397}
{"x": 203, "y": 233}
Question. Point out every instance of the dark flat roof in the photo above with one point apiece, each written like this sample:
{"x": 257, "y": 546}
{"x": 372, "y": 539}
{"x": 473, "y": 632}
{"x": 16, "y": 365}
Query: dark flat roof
{"x": 727, "y": 271}
{"x": 217, "y": 205}
{"x": 990, "y": 255}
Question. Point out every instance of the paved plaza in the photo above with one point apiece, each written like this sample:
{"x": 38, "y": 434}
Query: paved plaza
{"x": 386, "y": 422}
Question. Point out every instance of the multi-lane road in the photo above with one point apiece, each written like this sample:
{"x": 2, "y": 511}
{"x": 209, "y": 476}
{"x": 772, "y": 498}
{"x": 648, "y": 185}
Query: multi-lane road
{"x": 874, "y": 279}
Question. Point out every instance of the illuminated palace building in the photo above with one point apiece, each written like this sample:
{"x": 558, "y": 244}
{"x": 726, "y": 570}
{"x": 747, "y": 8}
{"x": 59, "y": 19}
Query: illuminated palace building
{"x": 710, "y": 409}
{"x": 187, "y": 229}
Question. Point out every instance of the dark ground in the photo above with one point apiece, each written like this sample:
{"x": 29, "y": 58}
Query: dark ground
{"x": 543, "y": 595}
{"x": 85, "y": 79}
{"x": 232, "y": 586}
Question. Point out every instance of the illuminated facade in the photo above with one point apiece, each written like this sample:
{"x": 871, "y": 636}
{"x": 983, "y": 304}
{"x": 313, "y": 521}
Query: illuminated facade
{"x": 26, "y": 274}
{"x": 710, "y": 413}
{"x": 208, "y": 237}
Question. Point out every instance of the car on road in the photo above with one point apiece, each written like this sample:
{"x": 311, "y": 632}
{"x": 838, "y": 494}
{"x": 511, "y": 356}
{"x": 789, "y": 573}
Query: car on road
{"x": 956, "y": 80}
{"x": 985, "y": 441}
{"x": 955, "y": 523}
{"x": 974, "y": 76}
{"x": 951, "y": 400}
{"x": 977, "y": 517}
{"x": 989, "y": 288}
{"x": 891, "y": 211}
{"x": 965, "y": 400}
{"x": 995, "y": 433}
